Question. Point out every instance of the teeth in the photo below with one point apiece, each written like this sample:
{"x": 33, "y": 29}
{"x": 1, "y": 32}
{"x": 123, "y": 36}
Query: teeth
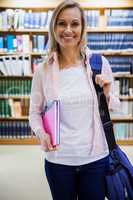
{"x": 67, "y": 37}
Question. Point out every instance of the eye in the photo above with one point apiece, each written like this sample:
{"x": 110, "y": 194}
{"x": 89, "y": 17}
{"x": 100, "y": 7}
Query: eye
{"x": 74, "y": 24}
{"x": 61, "y": 23}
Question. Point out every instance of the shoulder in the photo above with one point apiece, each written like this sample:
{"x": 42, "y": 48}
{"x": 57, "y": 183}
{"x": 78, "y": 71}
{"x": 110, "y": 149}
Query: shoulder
{"x": 41, "y": 67}
{"x": 105, "y": 60}
{"x": 40, "y": 71}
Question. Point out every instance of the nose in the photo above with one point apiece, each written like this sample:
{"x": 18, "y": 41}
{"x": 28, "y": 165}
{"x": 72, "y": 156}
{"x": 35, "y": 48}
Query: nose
{"x": 68, "y": 29}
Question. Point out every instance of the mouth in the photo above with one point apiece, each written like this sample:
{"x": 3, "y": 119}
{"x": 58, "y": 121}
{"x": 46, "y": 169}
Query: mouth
{"x": 67, "y": 38}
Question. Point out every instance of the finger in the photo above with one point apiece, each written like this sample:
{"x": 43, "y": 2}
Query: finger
{"x": 49, "y": 145}
{"x": 44, "y": 148}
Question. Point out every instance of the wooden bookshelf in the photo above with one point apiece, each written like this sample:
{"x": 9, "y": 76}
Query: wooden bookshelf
{"x": 50, "y": 4}
{"x": 42, "y": 5}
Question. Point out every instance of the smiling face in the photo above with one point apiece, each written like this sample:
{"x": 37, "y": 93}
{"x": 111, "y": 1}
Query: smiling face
{"x": 68, "y": 28}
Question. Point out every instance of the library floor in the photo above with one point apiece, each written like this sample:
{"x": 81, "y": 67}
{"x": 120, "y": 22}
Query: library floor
{"x": 22, "y": 175}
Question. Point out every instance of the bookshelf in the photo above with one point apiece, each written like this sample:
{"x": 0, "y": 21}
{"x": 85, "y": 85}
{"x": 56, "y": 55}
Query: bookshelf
{"x": 33, "y": 56}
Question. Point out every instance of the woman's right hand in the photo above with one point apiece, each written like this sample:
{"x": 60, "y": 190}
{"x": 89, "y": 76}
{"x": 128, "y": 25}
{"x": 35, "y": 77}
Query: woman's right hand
{"x": 45, "y": 143}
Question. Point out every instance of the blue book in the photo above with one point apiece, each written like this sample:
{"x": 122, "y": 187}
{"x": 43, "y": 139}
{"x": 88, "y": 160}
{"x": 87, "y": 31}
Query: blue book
{"x": 36, "y": 20}
{"x": 31, "y": 20}
{"x": 10, "y": 43}
{"x": 1, "y": 44}
{"x": 27, "y": 20}
{"x": 40, "y": 43}
{"x": 43, "y": 19}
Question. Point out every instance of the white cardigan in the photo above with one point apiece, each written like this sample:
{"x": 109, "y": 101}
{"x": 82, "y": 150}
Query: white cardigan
{"x": 45, "y": 88}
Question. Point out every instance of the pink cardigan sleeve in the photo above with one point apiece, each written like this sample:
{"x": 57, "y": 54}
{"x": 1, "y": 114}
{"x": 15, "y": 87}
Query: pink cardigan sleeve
{"x": 37, "y": 102}
{"x": 114, "y": 102}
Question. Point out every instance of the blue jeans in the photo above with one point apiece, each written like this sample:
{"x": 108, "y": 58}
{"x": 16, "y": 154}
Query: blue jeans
{"x": 85, "y": 182}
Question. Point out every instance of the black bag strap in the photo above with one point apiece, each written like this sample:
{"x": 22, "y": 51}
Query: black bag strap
{"x": 96, "y": 66}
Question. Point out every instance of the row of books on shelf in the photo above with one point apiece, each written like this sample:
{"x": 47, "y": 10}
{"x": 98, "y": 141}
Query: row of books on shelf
{"x": 15, "y": 87}
{"x": 14, "y": 108}
{"x": 113, "y": 41}
{"x": 126, "y": 110}
{"x": 20, "y": 107}
{"x": 22, "y": 19}
{"x": 21, "y": 43}
{"x": 22, "y": 65}
{"x": 15, "y": 129}
{"x": 122, "y": 87}
{"x": 39, "y": 43}
{"x": 119, "y": 17}
{"x": 123, "y": 131}
{"x": 120, "y": 64}
{"x": 15, "y": 65}
{"x": 12, "y": 86}
{"x": 21, "y": 129}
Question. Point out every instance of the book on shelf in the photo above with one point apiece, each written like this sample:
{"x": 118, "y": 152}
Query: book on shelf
{"x": 39, "y": 43}
{"x": 123, "y": 131}
{"x": 14, "y": 108}
{"x": 15, "y": 130}
{"x": 15, "y": 65}
{"x": 119, "y": 17}
{"x": 15, "y": 87}
{"x": 121, "y": 64}
{"x": 15, "y": 43}
{"x": 110, "y": 41}
{"x": 22, "y": 19}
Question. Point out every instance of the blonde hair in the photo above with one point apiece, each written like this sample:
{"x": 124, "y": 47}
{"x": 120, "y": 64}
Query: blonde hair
{"x": 53, "y": 45}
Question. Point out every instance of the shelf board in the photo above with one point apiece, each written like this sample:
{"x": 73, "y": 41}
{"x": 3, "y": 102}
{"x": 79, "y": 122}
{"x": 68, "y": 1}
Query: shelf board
{"x": 109, "y": 29}
{"x": 91, "y": 4}
{"x": 16, "y": 77}
{"x": 14, "y": 97}
{"x": 126, "y": 98}
{"x": 23, "y": 141}
{"x": 104, "y": 52}
{"x": 115, "y": 53}
{"x": 89, "y": 29}
{"x": 125, "y": 142}
{"x": 123, "y": 76}
{"x": 24, "y": 118}
{"x": 38, "y": 53}
{"x": 123, "y": 98}
{"x": 24, "y": 30}
{"x": 122, "y": 119}
{"x": 15, "y": 53}
{"x": 34, "y": 141}
{"x": 22, "y": 54}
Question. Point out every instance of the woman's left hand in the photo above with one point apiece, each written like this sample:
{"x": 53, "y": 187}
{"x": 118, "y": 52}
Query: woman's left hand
{"x": 103, "y": 83}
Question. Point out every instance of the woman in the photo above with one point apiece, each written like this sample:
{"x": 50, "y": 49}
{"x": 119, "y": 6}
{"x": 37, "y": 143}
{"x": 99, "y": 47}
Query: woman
{"x": 75, "y": 169}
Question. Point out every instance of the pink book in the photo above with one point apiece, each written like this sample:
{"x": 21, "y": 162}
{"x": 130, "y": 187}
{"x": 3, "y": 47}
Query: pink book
{"x": 51, "y": 124}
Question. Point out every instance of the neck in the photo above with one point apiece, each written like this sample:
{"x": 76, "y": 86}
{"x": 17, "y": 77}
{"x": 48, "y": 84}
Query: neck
{"x": 69, "y": 57}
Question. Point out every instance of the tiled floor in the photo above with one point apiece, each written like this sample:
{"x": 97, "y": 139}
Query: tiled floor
{"x": 22, "y": 175}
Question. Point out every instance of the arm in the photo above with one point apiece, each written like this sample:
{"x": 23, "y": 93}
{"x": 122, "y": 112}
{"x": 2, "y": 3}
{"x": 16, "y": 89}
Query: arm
{"x": 37, "y": 101}
{"x": 113, "y": 98}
